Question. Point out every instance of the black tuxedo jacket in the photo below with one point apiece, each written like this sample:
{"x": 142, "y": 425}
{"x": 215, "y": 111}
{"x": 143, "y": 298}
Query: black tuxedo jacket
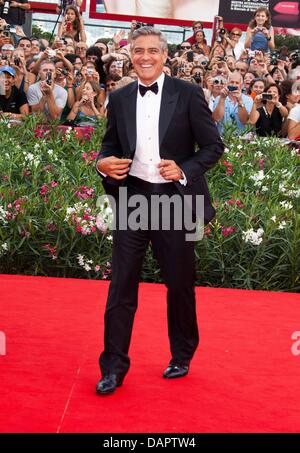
{"x": 187, "y": 134}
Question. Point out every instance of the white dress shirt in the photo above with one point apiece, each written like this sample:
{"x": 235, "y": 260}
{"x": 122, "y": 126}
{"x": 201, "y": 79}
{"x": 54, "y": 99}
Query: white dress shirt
{"x": 146, "y": 157}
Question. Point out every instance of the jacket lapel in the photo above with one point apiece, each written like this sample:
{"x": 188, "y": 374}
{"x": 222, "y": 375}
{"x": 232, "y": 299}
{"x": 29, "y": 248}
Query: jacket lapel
{"x": 167, "y": 107}
{"x": 129, "y": 112}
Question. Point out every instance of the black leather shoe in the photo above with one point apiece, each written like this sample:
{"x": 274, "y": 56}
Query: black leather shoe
{"x": 108, "y": 384}
{"x": 176, "y": 371}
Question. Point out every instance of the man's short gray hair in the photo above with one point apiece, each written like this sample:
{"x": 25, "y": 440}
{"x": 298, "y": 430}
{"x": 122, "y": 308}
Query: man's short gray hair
{"x": 149, "y": 31}
{"x": 294, "y": 73}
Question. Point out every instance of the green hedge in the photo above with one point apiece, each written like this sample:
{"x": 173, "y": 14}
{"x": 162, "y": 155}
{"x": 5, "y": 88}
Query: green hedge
{"x": 50, "y": 223}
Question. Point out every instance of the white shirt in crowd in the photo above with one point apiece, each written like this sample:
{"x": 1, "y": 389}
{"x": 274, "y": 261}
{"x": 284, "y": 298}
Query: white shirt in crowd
{"x": 295, "y": 113}
{"x": 34, "y": 95}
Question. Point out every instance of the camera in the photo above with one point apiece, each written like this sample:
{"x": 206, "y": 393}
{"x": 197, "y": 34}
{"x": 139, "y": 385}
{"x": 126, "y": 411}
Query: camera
{"x": 295, "y": 57}
{"x": 190, "y": 56}
{"x": 6, "y": 30}
{"x": 51, "y": 53}
{"x": 274, "y": 58}
{"x": 267, "y": 97}
{"x": 222, "y": 31}
{"x": 49, "y": 78}
{"x": 218, "y": 80}
{"x": 251, "y": 53}
{"x": 142, "y": 24}
{"x": 62, "y": 71}
{"x": 17, "y": 61}
{"x": 197, "y": 77}
{"x": 6, "y": 7}
{"x": 232, "y": 88}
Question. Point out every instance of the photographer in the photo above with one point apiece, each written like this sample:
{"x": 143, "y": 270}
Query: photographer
{"x": 14, "y": 14}
{"x": 13, "y": 104}
{"x": 268, "y": 113}
{"x": 23, "y": 78}
{"x": 260, "y": 33}
{"x": 86, "y": 111}
{"x": 201, "y": 44}
{"x": 62, "y": 5}
{"x": 232, "y": 106}
{"x": 45, "y": 96}
{"x": 72, "y": 25}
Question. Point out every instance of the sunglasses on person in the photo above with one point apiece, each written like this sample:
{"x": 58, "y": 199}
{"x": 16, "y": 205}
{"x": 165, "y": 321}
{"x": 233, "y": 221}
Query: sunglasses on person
{"x": 185, "y": 47}
{"x": 235, "y": 34}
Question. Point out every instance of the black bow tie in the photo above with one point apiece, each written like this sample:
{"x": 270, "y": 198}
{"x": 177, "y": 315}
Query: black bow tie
{"x": 153, "y": 87}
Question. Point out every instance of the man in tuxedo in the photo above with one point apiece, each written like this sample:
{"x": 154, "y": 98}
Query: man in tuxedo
{"x": 149, "y": 148}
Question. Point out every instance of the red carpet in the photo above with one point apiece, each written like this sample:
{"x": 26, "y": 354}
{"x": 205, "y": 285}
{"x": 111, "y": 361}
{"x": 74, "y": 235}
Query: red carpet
{"x": 243, "y": 378}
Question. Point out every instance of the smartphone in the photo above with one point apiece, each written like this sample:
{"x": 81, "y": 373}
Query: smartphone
{"x": 267, "y": 97}
{"x": 190, "y": 56}
{"x": 17, "y": 61}
{"x": 232, "y": 88}
{"x": 49, "y": 78}
{"x": 68, "y": 26}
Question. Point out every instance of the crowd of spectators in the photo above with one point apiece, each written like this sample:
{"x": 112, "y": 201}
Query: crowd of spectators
{"x": 244, "y": 84}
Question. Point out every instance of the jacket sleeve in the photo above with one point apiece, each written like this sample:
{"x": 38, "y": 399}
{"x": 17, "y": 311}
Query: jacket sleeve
{"x": 111, "y": 145}
{"x": 210, "y": 145}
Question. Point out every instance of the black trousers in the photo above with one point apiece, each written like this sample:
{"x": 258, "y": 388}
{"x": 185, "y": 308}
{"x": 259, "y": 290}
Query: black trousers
{"x": 176, "y": 259}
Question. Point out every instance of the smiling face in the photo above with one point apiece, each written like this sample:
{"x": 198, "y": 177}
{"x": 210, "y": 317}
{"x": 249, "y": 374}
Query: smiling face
{"x": 8, "y": 81}
{"x": 258, "y": 87}
{"x": 260, "y": 18}
{"x": 148, "y": 58}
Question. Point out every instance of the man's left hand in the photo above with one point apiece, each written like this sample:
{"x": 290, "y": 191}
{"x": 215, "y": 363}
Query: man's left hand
{"x": 169, "y": 170}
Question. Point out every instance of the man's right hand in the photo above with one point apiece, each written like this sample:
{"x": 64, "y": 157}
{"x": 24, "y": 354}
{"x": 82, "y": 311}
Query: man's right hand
{"x": 114, "y": 167}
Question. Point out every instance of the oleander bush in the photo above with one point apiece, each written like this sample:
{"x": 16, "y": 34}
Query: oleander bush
{"x": 52, "y": 224}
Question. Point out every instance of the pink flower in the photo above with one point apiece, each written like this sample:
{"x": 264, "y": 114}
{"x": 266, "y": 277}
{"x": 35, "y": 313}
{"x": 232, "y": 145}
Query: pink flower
{"x": 227, "y": 231}
{"x": 100, "y": 224}
{"x": 85, "y": 192}
{"x": 51, "y": 250}
{"x": 25, "y": 233}
{"x": 228, "y": 165}
{"x": 233, "y": 202}
{"x": 44, "y": 190}
{"x": 48, "y": 168}
{"x": 207, "y": 231}
{"x": 261, "y": 164}
{"x": 51, "y": 226}
{"x": 97, "y": 268}
{"x": 53, "y": 184}
{"x": 38, "y": 133}
{"x": 26, "y": 172}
